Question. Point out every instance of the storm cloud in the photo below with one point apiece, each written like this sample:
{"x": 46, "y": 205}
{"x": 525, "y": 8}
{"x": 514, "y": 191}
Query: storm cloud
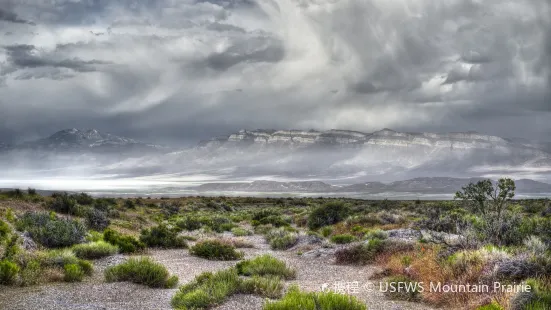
{"x": 180, "y": 71}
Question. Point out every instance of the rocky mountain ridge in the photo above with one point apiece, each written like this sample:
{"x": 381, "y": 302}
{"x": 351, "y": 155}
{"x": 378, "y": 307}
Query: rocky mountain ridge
{"x": 346, "y": 138}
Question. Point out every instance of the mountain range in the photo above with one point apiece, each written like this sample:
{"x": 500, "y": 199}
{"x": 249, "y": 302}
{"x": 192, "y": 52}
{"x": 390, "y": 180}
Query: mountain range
{"x": 349, "y": 160}
{"x": 434, "y": 185}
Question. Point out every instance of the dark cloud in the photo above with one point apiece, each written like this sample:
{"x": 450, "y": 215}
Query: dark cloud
{"x": 186, "y": 70}
{"x": 8, "y": 16}
{"x": 261, "y": 50}
{"x": 24, "y": 56}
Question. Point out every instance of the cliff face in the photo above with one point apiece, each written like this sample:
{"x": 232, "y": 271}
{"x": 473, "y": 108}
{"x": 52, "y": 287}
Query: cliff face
{"x": 354, "y": 139}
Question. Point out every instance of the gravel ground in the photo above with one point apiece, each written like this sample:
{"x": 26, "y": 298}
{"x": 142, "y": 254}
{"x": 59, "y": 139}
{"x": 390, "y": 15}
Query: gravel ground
{"x": 94, "y": 294}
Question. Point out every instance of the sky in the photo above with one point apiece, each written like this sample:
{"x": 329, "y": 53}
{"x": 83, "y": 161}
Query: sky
{"x": 178, "y": 71}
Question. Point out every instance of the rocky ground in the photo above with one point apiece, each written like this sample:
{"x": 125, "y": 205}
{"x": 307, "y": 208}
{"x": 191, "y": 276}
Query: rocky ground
{"x": 315, "y": 267}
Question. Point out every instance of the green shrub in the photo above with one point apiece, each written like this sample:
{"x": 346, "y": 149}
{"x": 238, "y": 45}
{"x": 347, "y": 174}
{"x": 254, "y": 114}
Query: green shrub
{"x": 295, "y": 299}
{"x": 95, "y": 250}
{"x": 64, "y": 203}
{"x": 94, "y": 236}
{"x": 8, "y": 272}
{"x": 281, "y": 239}
{"x": 342, "y": 239}
{"x": 328, "y": 214}
{"x": 265, "y": 265}
{"x": 31, "y": 273}
{"x": 491, "y": 306}
{"x": 73, "y": 273}
{"x": 163, "y": 237}
{"x": 142, "y": 271}
{"x": 51, "y": 231}
{"x": 240, "y": 232}
{"x": 97, "y": 219}
{"x": 4, "y": 231}
{"x": 126, "y": 244}
{"x": 359, "y": 254}
{"x": 215, "y": 250}
{"x": 267, "y": 286}
{"x": 207, "y": 290}
{"x": 189, "y": 223}
{"x": 326, "y": 231}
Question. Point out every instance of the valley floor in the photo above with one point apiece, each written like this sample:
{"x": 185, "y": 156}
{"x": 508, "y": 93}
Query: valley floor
{"x": 95, "y": 294}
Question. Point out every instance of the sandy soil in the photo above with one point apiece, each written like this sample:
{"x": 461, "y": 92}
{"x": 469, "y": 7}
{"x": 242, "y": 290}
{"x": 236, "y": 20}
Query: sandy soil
{"x": 95, "y": 294}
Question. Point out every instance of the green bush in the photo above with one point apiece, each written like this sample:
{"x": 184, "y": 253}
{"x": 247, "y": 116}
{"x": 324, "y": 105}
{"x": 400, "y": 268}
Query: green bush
{"x": 51, "y": 231}
{"x": 8, "y": 272}
{"x": 265, "y": 265}
{"x": 359, "y": 254}
{"x": 281, "y": 239}
{"x": 215, "y": 250}
{"x": 207, "y": 290}
{"x": 64, "y": 203}
{"x": 326, "y": 231}
{"x": 31, "y": 273}
{"x": 162, "y": 237}
{"x": 328, "y": 214}
{"x": 95, "y": 250}
{"x": 4, "y": 231}
{"x": 342, "y": 239}
{"x": 126, "y": 244}
{"x": 97, "y": 219}
{"x": 240, "y": 232}
{"x": 142, "y": 271}
{"x": 189, "y": 223}
{"x": 266, "y": 286}
{"x": 295, "y": 299}
{"x": 73, "y": 273}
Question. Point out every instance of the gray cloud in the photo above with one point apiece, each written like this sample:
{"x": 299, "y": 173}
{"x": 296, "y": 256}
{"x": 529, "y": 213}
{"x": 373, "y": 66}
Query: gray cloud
{"x": 185, "y": 70}
{"x": 8, "y": 16}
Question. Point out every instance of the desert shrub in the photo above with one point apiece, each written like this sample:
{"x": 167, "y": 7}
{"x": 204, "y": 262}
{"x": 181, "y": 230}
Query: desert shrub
{"x": 267, "y": 286}
{"x": 328, "y": 214}
{"x": 326, "y": 231}
{"x": 83, "y": 199}
{"x": 163, "y": 237}
{"x": 8, "y": 272}
{"x": 295, "y": 299}
{"x": 262, "y": 229}
{"x": 215, "y": 250}
{"x": 142, "y": 271}
{"x": 31, "y": 273}
{"x": 64, "y": 203}
{"x": 281, "y": 239}
{"x": 376, "y": 234}
{"x": 366, "y": 252}
{"x": 220, "y": 224}
{"x": 539, "y": 298}
{"x": 51, "y": 231}
{"x": 490, "y": 306}
{"x": 129, "y": 203}
{"x": 94, "y": 236}
{"x": 517, "y": 268}
{"x": 240, "y": 232}
{"x": 402, "y": 288}
{"x": 126, "y": 244}
{"x": 95, "y": 250}
{"x": 5, "y": 231}
{"x": 342, "y": 239}
{"x": 73, "y": 273}
{"x": 207, "y": 290}
{"x": 189, "y": 223}
{"x": 265, "y": 265}
{"x": 97, "y": 219}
